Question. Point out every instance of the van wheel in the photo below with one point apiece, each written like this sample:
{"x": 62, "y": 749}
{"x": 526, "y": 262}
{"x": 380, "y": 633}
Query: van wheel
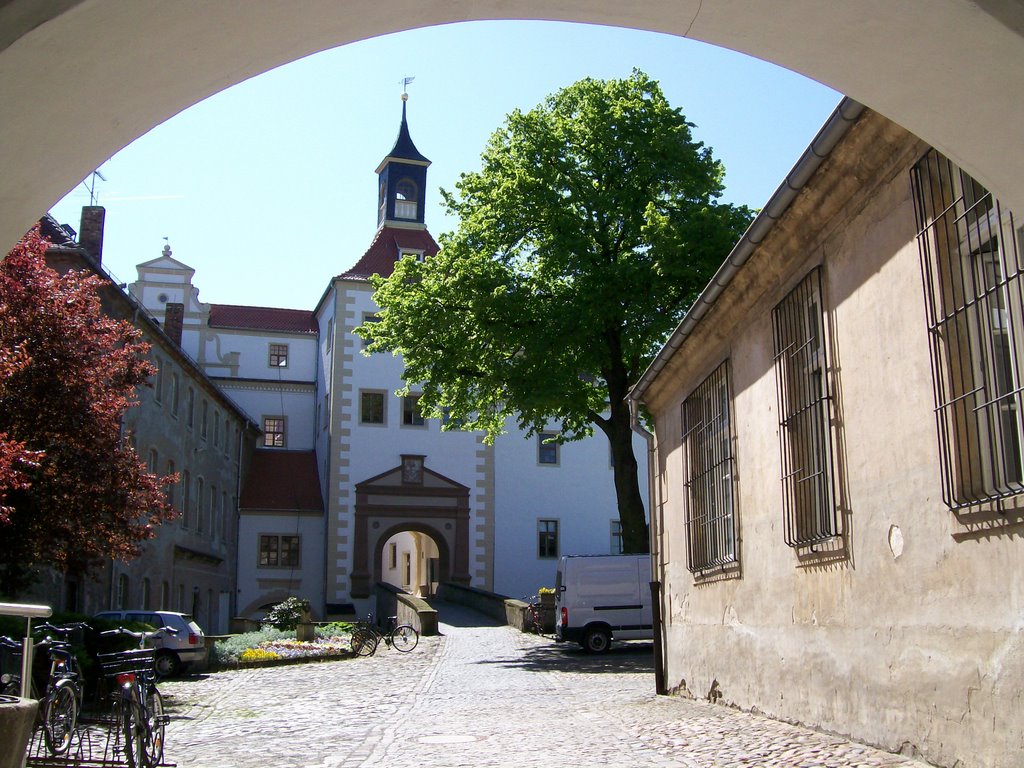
{"x": 167, "y": 664}
{"x": 596, "y": 640}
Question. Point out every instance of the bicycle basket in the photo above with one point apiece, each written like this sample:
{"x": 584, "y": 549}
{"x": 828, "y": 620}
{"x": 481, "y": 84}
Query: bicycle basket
{"x": 124, "y": 662}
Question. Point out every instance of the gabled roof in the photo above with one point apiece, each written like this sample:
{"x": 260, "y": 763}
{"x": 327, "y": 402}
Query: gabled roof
{"x": 285, "y": 481}
{"x": 262, "y": 318}
{"x": 387, "y": 245}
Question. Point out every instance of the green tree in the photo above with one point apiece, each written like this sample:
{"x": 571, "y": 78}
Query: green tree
{"x": 72, "y": 491}
{"x": 590, "y": 228}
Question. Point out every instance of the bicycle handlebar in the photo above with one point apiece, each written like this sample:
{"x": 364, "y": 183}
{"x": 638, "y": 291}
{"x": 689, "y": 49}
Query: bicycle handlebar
{"x": 141, "y": 636}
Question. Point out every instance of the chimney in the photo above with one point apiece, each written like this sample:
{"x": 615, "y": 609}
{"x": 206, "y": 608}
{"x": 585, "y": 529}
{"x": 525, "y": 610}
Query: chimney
{"x": 174, "y": 318}
{"x": 90, "y": 235}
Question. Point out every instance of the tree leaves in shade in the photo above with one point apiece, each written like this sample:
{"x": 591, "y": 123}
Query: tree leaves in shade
{"x": 590, "y": 228}
{"x": 74, "y": 492}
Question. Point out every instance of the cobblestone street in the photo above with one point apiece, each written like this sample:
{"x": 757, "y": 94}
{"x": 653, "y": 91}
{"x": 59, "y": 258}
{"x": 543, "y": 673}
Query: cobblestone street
{"x": 476, "y": 696}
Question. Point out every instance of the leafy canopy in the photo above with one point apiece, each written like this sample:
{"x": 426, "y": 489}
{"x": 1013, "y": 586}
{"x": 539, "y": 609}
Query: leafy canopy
{"x": 589, "y": 229}
{"x": 73, "y": 491}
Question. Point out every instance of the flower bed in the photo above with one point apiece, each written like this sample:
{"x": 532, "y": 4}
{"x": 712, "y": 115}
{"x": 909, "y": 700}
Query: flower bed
{"x": 274, "y": 646}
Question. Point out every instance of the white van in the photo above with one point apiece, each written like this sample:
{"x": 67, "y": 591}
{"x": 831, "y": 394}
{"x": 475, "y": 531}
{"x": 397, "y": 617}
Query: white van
{"x": 174, "y": 652}
{"x": 603, "y": 597}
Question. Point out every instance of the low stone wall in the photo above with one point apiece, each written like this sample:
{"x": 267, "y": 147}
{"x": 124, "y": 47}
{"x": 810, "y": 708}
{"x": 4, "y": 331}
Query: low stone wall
{"x": 392, "y": 601}
{"x": 480, "y": 600}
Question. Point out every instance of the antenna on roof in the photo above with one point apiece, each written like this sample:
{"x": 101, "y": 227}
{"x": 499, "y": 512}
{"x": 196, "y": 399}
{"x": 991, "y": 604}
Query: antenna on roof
{"x": 404, "y": 82}
{"x": 91, "y": 184}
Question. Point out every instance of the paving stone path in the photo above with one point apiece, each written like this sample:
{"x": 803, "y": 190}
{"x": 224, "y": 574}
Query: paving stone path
{"x": 478, "y": 696}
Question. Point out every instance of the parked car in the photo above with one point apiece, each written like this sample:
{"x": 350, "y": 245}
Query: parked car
{"x": 174, "y": 652}
{"x": 601, "y": 597}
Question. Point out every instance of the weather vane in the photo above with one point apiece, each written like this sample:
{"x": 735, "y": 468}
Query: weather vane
{"x": 404, "y": 82}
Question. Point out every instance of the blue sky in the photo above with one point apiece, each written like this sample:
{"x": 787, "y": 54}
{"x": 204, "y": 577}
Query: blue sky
{"x": 268, "y": 189}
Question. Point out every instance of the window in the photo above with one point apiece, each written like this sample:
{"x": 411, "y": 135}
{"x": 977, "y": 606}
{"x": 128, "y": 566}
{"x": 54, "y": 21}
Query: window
{"x": 407, "y": 569}
{"x": 200, "y": 487}
{"x": 330, "y": 334}
{"x": 278, "y": 355}
{"x": 154, "y": 461}
{"x": 158, "y": 385}
{"x": 190, "y": 408}
{"x": 972, "y": 279}
{"x": 805, "y": 427}
{"x": 122, "y": 591}
{"x": 708, "y": 474}
{"x": 368, "y": 318}
{"x": 405, "y": 199}
{"x": 186, "y": 499}
{"x": 204, "y": 414}
{"x": 547, "y": 448}
{"x": 273, "y": 431}
{"x": 145, "y": 594}
{"x": 411, "y": 416}
{"x": 616, "y": 538}
{"x": 175, "y": 385}
{"x": 214, "y": 517}
{"x": 547, "y": 538}
{"x": 171, "y": 500}
{"x": 371, "y": 407}
{"x": 325, "y": 411}
{"x": 279, "y": 551}
{"x": 392, "y": 556}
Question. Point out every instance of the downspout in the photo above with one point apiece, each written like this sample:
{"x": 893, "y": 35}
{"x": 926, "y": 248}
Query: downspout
{"x": 233, "y": 607}
{"x": 657, "y": 567}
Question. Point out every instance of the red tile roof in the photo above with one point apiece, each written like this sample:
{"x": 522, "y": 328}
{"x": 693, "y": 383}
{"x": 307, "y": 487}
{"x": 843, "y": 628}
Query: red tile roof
{"x": 383, "y": 252}
{"x": 263, "y": 318}
{"x": 285, "y": 481}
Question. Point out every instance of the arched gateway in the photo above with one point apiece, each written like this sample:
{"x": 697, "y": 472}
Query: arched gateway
{"x": 410, "y": 497}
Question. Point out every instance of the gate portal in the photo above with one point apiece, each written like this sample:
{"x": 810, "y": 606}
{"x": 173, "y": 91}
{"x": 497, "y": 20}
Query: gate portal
{"x": 410, "y": 497}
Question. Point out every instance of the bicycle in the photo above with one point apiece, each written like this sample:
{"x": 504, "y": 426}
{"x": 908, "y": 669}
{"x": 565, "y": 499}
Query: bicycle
{"x": 138, "y": 706}
{"x": 534, "y": 614}
{"x": 367, "y": 636}
{"x": 62, "y": 700}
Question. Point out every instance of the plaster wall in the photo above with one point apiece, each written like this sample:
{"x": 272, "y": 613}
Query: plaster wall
{"x": 910, "y": 639}
{"x": 253, "y": 349}
{"x": 578, "y": 492}
{"x": 261, "y": 585}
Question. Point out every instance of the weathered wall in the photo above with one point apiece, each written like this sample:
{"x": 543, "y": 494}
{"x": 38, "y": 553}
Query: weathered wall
{"x": 911, "y": 639}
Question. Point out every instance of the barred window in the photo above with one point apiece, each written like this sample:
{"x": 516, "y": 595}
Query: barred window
{"x": 805, "y": 425}
{"x": 708, "y": 474}
{"x": 971, "y": 270}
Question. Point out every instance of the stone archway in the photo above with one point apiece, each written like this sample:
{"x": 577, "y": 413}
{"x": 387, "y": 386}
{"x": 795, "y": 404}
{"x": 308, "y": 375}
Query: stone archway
{"x": 409, "y": 497}
{"x": 80, "y": 79}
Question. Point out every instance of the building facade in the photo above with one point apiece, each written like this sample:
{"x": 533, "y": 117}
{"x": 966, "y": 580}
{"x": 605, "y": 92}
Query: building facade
{"x": 839, "y": 466}
{"x": 183, "y": 424}
{"x": 351, "y": 485}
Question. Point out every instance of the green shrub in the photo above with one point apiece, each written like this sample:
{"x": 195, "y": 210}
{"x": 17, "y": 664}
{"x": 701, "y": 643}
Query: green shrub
{"x": 335, "y": 628}
{"x": 287, "y": 614}
{"x": 229, "y": 651}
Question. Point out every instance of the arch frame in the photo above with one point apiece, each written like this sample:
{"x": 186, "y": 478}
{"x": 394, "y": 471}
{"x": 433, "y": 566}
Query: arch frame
{"x": 81, "y": 79}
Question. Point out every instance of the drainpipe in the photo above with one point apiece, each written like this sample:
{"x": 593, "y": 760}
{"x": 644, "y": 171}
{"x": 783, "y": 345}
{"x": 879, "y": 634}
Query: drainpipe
{"x": 656, "y": 565}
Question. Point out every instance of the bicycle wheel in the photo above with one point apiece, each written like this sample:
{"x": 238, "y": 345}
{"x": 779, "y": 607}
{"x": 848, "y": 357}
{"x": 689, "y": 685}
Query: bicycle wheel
{"x": 155, "y": 725}
{"x": 60, "y": 717}
{"x": 364, "y": 643}
{"x": 404, "y": 638}
{"x": 133, "y": 725}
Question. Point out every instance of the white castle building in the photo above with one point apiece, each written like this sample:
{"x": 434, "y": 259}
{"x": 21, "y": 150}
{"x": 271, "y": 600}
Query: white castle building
{"x": 350, "y": 485}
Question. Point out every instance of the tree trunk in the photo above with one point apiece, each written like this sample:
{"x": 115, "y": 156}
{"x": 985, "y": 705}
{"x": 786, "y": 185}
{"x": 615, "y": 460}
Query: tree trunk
{"x": 627, "y": 482}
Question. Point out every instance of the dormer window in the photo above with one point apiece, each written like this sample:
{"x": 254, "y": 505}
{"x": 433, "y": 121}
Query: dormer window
{"x": 406, "y": 197}
{"x": 418, "y": 255}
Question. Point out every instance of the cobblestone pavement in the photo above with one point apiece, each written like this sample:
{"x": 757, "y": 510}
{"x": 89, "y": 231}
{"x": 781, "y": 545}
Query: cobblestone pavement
{"x": 477, "y": 696}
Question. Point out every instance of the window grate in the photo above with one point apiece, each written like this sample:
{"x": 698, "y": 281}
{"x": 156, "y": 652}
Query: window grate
{"x": 971, "y": 273}
{"x": 708, "y": 472}
{"x": 805, "y": 426}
